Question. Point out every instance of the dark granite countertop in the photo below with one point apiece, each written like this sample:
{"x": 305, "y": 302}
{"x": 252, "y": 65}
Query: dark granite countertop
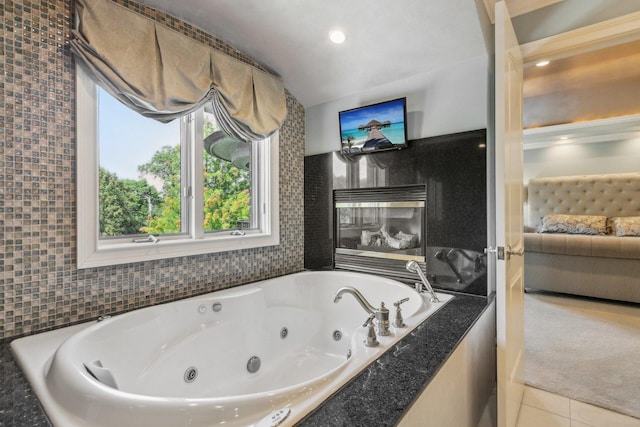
{"x": 19, "y": 406}
{"x": 378, "y": 396}
{"x": 381, "y": 393}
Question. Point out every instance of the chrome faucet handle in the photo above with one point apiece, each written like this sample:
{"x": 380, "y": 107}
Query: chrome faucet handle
{"x": 371, "y": 340}
{"x": 369, "y": 320}
{"x": 398, "y": 322}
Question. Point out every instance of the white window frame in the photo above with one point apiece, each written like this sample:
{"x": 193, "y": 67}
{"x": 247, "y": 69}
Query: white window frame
{"x": 93, "y": 252}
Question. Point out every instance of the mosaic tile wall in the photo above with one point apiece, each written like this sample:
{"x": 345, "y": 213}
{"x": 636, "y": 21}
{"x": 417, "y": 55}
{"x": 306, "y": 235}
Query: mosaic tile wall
{"x": 40, "y": 287}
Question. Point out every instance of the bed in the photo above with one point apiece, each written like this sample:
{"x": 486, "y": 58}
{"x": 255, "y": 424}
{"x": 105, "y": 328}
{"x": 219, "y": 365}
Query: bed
{"x": 570, "y": 249}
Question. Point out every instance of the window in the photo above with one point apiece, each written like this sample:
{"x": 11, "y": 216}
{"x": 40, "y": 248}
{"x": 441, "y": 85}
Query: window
{"x": 148, "y": 190}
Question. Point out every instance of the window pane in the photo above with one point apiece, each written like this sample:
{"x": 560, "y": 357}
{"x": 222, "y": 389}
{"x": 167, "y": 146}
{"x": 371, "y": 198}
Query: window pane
{"x": 227, "y": 179}
{"x": 139, "y": 172}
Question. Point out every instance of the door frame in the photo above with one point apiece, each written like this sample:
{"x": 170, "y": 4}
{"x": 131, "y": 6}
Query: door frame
{"x": 585, "y": 39}
{"x": 597, "y": 36}
{"x": 509, "y": 239}
{"x": 517, "y": 7}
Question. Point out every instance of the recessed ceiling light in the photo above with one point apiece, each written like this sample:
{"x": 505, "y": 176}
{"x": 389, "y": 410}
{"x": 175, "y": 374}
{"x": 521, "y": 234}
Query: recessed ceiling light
{"x": 337, "y": 36}
{"x": 542, "y": 63}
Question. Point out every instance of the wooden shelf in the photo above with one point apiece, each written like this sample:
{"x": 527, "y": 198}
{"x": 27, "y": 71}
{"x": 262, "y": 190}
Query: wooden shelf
{"x": 603, "y": 130}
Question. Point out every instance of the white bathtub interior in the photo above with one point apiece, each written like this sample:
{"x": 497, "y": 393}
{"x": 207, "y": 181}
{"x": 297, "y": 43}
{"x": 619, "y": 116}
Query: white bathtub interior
{"x": 307, "y": 345}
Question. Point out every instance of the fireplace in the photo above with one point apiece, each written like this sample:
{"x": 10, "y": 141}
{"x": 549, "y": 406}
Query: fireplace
{"x": 377, "y": 230}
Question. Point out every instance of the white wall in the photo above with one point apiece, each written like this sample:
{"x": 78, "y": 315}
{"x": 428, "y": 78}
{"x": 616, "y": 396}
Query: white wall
{"x": 583, "y": 159}
{"x": 439, "y": 102}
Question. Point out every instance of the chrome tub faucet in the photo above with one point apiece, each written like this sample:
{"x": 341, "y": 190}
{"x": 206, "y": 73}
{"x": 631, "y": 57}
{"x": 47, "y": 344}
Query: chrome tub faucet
{"x": 380, "y": 314}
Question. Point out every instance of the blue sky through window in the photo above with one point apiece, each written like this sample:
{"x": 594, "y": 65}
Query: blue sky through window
{"x": 128, "y": 139}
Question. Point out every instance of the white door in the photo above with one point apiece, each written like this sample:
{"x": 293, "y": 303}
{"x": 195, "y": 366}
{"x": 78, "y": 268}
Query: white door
{"x": 509, "y": 219}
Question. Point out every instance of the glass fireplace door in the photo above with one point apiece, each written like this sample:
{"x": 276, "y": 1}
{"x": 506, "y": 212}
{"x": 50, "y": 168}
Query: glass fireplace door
{"x": 391, "y": 230}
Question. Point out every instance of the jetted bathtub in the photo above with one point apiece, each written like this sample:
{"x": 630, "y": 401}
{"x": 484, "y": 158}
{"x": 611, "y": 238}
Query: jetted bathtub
{"x": 252, "y": 355}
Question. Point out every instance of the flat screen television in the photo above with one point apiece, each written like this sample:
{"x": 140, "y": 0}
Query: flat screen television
{"x": 374, "y": 127}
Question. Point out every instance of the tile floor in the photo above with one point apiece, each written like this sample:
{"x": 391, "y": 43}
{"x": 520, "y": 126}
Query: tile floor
{"x": 543, "y": 409}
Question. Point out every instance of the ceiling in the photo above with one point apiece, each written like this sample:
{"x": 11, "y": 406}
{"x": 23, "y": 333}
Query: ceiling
{"x": 386, "y": 41}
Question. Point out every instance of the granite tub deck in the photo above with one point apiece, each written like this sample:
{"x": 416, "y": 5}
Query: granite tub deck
{"x": 19, "y": 406}
{"x": 378, "y": 396}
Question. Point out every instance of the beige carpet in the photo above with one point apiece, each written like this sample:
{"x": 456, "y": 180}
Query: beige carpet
{"x": 583, "y": 349}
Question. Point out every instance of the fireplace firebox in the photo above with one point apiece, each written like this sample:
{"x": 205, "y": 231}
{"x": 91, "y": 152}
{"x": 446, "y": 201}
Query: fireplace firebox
{"x": 377, "y": 230}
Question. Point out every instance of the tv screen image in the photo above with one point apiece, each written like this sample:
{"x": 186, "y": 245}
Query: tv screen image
{"x": 374, "y": 127}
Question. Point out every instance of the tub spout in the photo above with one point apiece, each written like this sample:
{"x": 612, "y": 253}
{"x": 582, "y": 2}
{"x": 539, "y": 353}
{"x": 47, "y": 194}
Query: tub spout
{"x": 381, "y": 314}
{"x": 358, "y": 296}
{"x": 415, "y": 267}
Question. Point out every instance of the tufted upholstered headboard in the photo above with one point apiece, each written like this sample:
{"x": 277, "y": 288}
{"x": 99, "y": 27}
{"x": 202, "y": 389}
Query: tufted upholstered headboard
{"x": 610, "y": 195}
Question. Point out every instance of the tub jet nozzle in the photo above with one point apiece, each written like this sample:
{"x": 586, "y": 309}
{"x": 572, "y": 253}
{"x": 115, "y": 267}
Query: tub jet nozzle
{"x": 253, "y": 364}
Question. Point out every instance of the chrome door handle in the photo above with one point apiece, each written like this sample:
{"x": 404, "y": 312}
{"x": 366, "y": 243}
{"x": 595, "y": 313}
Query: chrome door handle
{"x": 497, "y": 251}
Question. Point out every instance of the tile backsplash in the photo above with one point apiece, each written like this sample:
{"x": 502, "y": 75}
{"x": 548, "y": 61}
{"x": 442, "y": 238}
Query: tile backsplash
{"x": 40, "y": 286}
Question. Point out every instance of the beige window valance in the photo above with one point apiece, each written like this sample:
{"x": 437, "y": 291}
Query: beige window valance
{"x": 163, "y": 74}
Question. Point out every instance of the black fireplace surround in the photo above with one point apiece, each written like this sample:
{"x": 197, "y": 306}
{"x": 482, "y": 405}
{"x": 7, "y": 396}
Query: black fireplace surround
{"x": 451, "y": 170}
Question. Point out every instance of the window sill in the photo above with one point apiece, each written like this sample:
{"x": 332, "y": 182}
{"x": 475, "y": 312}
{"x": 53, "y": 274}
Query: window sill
{"x": 124, "y": 253}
